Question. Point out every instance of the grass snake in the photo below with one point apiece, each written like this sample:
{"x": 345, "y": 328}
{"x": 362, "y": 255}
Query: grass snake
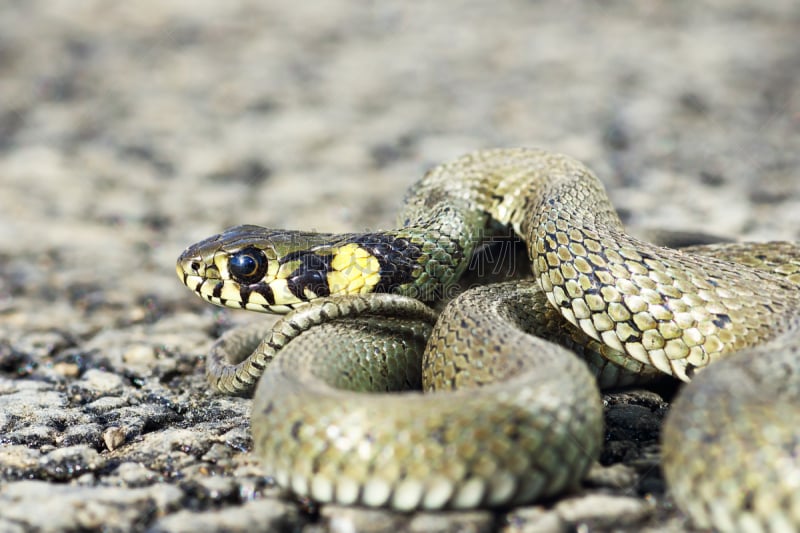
{"x": 511, "y": 411}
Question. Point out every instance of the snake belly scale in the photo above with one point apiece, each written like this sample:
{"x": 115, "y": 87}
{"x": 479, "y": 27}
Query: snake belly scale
{"x": 525, "y": 420}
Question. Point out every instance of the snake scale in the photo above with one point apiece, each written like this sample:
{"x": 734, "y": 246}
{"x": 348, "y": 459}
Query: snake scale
{"x": 509, "y": 414}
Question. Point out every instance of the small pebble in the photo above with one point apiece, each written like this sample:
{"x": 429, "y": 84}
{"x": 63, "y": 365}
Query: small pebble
{"x": 101, "y": 381}
{"x": 139, "y": 355}
{"x": 114, "y": 437}
{"x": 534, "y": 519}
{"x": 68, "y": 370}
{"x": 602, "y": 510}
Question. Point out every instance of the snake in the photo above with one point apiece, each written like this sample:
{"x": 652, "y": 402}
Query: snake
{"x": 379, "y": 388}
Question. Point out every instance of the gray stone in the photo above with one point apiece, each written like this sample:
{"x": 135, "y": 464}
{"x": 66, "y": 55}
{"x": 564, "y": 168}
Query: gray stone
{"x": 70, "y": 462}
{"x": 262, "y": 515}
{"x": 604, "y": 510}
{"x": 350, "y": 520}
{"x": 535, "y": 520}
{"x": 617, "y": 476}
{"x": 100, "y": 381}
{"x": 36, "y": 505}
{"x": 453, "y": 522}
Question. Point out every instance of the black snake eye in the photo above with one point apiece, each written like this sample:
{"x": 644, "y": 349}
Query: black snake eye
{"x": 248, "y": 266}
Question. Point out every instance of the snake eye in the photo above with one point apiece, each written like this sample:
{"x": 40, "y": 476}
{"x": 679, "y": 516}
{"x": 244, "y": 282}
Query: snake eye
{"x": 248, "y": 266}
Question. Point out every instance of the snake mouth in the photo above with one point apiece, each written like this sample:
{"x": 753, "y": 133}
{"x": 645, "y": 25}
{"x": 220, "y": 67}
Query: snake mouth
{"x": 204, "y": 280}
{"x": 197, "y": 270}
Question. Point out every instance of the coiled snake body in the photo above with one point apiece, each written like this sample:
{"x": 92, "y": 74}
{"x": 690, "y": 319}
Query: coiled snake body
{"x": 525, "y": 421}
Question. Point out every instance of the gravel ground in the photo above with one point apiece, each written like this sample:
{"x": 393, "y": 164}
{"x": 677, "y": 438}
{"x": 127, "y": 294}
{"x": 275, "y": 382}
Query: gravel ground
{"x": 130, "y": 130}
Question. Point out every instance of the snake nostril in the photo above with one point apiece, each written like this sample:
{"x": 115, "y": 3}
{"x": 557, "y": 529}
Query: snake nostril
{"x": 195, "y": 266}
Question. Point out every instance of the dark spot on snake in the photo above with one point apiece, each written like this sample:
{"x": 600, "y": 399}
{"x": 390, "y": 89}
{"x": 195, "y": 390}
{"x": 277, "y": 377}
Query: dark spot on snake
{"x": 324, "y": 314}
{"x": 315, "y": 281}
{"x": 769, "y": 308}
{"x": 266, "y": 291}
{"x": 292, "y": 324}
{"x": 690, "y": 370}
{"x": 311, "y": 274}
{"x": 712, "y": 282}
{"x": 296, "y": 429}
{"x": 722, "y": 320}
{"x": 273, "y": 345}
{"x": 195, "y": 266}
{"x": 244, "y": 293}
{"x": 217, "y": 290}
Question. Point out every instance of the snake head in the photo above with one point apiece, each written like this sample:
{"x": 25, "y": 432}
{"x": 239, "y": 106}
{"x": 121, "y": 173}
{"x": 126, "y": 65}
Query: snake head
{"x": 250, "y": 267}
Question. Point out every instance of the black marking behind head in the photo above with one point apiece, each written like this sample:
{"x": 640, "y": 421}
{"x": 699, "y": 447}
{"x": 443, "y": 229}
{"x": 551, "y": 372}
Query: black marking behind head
{"x": 311, "y": 274}
{"x": 398, "y": 259}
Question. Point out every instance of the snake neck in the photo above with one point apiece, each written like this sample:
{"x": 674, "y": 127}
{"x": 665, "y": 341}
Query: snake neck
{"x": 420, "y": 260}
